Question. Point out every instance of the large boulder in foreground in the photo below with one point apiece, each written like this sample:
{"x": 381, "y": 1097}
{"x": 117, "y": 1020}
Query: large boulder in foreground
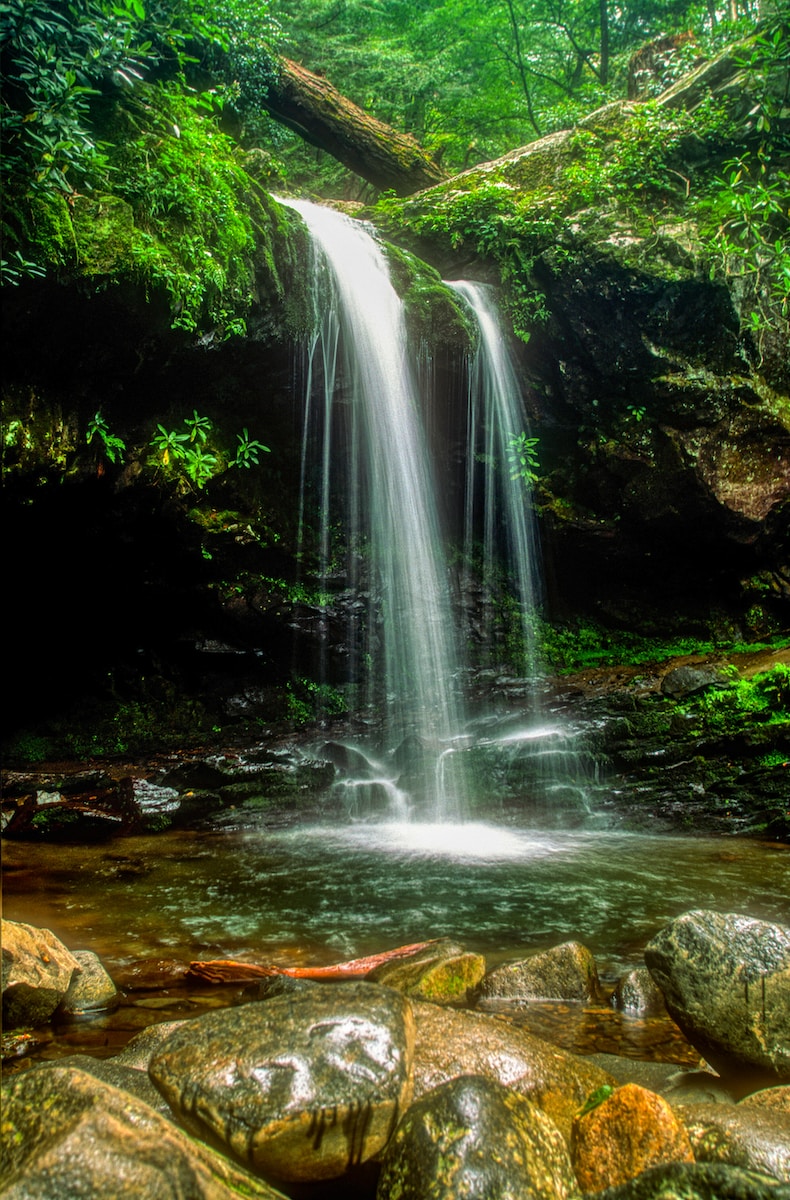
{"x": 474, "y": 1138}
{"x": 36, "y": 972}
{"x": 450, "y": 1043}
{"x": 726, "y": 983}
{"x": 304, "y": 1087}
{"x": 68, "y": 1135}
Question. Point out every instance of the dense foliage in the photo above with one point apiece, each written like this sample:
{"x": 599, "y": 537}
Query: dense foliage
{"x": 471, "y": 81}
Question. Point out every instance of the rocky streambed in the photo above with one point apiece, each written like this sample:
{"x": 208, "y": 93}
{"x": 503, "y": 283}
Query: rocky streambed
{"x": 415, "y": 1080}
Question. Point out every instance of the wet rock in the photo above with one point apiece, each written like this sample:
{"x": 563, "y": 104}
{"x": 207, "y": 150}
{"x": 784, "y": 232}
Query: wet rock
{"x": 138, "y": 1051}
{"x": 451, "y": 1043}
{"x": 698, "y": 1087}
{"x": 656, "y": 1076}
{"x": 637, "y": 992}
{"x": 631, "y": 1130}
{"x": 68, "y": 1134}
{"x": 474, "y": 1138}
{"x": 276, "y": 985}
{"x": 726, "y": 983}
{"x": 36, "y": 973}
{"x": 752, "y": 1137}
{"x": 92, "y": 990}
{"x": 696, "y": 1181}
{"x": 688, "y": 680}
{"x": 151, "y": 974}
{"x": 774, "y": 1098}
{"x": 115, "y": 1073}
{"x": 303, "y": 1086}
{"x": 566, "y": 972}
{"x": 443, "y": 973}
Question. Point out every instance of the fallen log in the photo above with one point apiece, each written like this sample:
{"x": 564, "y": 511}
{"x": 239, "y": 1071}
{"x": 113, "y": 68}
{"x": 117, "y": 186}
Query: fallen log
{"x": 226, "y": 970}
{"x": 312, "y": 107}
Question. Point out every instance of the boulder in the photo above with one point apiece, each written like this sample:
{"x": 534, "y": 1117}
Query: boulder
{"x": 443, "y": 973}
{"x": 566, "y": 972}
{"x": 744, "y": 1136}
{"x": 138, "y": 1050}
{"x": 696, "y": 1181}
{"x": 92, "y": 990}
{"x": 726, "y": 983}
{"x": 115, "y": 1073}
{"x": 687, "y": 680}
{"x": 303, "y": 1086}
{"x": 68, "y": 1134}
{"x": 453, "y": 1042}
{"x": 637, "y": 992}
{"x": 775, "y": 1098}
{"x": 630, "y": 1130}
{"x": 474, "y": 1138}
{"x": 36, "y": 973}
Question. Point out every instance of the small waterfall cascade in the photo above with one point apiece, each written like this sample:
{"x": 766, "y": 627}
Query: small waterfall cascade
{"x": 498, "y": 514}
{"x": 371, "y": 497}
{"x": 375, "y": 468}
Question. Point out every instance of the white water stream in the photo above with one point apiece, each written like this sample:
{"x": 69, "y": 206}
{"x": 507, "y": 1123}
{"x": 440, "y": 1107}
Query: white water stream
{"x": 365, "y": 449}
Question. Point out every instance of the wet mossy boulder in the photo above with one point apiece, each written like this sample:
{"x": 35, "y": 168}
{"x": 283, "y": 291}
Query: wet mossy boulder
{"x": 443, "y": 973}
{"x": 751, "y": 1136}
{"x": 725, "y": 978}
{"x": 696, "y": 1181}
{"x": 67, "y": 1133}
{"x": 471, "y": 1139}
{"x": 630, "y": 1130}
{"x": 566, "y": 972}
{"x": 303, "y": 1086}
{"x": 453, "y": 1042}
{"x": 37, "y": 970}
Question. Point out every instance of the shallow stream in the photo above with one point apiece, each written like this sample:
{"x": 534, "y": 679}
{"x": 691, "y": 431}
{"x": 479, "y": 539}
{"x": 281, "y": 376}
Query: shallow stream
{"x": 316, "y": 894}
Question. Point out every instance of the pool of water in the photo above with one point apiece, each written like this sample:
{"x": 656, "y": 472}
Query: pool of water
{"x": 326, "y": 892}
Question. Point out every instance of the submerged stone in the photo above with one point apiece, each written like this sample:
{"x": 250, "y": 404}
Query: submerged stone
{"x": 303, "y": 1086}
{"x": 473, "y": 1139}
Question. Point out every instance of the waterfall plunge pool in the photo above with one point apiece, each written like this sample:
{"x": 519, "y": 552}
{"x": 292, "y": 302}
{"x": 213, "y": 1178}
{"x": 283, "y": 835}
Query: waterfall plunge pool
{"x": 320, "y": 893}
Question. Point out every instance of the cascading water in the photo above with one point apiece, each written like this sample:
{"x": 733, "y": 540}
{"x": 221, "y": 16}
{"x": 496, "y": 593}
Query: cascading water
{"x": 364, "y": 429}
{"x": 496, "y": 422}
{"x": 388, "y": 497}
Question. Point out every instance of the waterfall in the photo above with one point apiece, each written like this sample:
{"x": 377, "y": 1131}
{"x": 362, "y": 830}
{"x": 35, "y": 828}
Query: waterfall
{"x": 496, "y": 493}
{"x": 373, "y": 442}
{"x": 371, "y": 497}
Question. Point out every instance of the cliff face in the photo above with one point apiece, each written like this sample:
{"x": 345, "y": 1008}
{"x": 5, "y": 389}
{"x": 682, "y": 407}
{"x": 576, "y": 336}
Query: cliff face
{"x": 660, "y": 404}
{"x": 657, "y": 367}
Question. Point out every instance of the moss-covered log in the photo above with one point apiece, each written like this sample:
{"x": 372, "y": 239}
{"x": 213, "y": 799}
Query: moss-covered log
{"x": 314, "y": 108}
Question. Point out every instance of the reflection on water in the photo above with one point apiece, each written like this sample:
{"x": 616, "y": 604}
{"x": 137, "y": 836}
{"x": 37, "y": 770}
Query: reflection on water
{"x": 320, "y": 893}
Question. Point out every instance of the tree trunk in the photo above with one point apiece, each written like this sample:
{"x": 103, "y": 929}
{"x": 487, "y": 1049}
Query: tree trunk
{"x": 604, "y": 14}
{"x": 316, "y": 110}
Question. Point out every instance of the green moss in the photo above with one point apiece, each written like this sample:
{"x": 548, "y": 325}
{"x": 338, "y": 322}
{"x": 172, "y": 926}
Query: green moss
{"x": 104, "y": 234}
{"x": 434, "y": 314}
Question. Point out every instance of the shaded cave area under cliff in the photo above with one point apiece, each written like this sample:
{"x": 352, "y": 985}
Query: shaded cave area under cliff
{"x": 128, "y": 588}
